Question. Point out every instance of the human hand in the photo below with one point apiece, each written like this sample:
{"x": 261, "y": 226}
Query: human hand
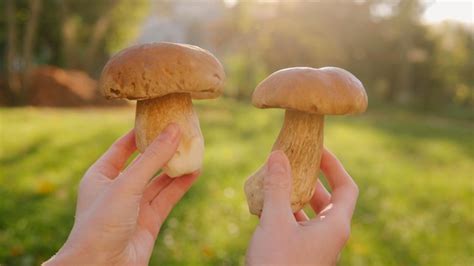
{"x": 284, "y": 238}
{"x": 120, "y": 211}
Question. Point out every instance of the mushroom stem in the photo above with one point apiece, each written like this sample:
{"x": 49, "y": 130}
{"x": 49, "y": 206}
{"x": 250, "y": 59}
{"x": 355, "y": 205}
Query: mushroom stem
{"x": 153, "y": 115}
{"x": 301, "y": 138}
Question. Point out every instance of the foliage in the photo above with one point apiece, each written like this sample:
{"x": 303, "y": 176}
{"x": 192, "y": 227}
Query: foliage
{"x": 414, "y": 173}
{"x": 384, "y": 43}
{"x": 453, "y": 56}
{"x": 398, "y": 58}
{"x": 79, "y": 34}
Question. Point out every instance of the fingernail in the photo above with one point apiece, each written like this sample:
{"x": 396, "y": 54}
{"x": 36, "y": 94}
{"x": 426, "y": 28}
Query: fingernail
{"x": 276, "y": 163}
{"x": 169, "y": 133}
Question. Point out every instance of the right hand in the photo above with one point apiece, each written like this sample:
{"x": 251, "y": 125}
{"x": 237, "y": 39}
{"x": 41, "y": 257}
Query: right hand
{"x": 284, "y": 238}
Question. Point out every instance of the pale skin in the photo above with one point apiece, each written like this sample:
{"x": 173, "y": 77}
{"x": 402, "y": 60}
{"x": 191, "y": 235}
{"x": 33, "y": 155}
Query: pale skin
{"x": 120, "y": 210}
{"x": 284, "y": 238}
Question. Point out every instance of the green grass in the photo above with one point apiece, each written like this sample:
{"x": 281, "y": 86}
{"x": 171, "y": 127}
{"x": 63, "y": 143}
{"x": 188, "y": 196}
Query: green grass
{"x": 415, "y": 174}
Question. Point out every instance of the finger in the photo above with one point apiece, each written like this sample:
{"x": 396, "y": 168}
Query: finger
{"x": 155, "y": 187}
{"x": 344, "y": 189}
{"x": 164, "y": 202}
{"x": 301, "y": 216}
{"x": 321, "y": 198}
{"x": 135, "y": 178}
{"x": 151, "y": 214}
{"x": 113, "y": 160}
{"x": 277, "y": 190}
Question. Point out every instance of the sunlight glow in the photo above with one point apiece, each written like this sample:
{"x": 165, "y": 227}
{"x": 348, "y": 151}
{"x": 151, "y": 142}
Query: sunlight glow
{"x": 458, "y": 10}
{"x": 230, "y": 3}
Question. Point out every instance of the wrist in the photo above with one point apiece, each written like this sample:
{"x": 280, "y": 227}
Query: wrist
{"x": 61, "y": 258}
{"x": 70, "y": 256}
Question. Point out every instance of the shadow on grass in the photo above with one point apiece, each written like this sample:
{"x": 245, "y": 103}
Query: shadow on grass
{"x": 31, "y": 150}
{"x": 30, "y": 218}
{"x": 408, "y": 130}
{"x": 371, "y": 220}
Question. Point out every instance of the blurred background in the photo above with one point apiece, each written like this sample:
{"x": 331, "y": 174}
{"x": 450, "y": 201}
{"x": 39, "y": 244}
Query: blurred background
{"x": 411, "y": 153}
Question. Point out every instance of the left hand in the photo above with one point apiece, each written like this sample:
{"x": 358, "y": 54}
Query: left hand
{"x": 120, "y": 211}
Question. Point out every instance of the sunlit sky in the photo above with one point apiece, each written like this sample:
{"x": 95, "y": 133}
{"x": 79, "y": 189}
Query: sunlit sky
{"x": 459, "y": 10}
{"x": 438, "y": 10}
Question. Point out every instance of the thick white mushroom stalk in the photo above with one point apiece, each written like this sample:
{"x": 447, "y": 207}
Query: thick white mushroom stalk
{"x": 153, "y": 115}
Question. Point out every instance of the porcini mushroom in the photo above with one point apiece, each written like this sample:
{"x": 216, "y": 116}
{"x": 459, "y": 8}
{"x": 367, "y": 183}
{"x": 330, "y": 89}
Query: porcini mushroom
{"x": 164, "y": 78}
{"x": 307, "y": 94}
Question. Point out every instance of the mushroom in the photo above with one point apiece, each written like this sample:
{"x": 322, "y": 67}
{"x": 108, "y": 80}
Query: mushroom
{"x": 307, "y": 94}
{"x": 164, "y": 78}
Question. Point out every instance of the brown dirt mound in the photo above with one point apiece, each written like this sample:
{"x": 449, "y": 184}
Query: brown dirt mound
{"x": 52, "y": 86}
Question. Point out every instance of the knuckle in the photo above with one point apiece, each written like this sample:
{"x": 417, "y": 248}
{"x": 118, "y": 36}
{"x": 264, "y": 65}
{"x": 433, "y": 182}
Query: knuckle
{"x": 82, "y": 185}
{"x": 122, "y": 188}
{"x": 274, "y": 183}
{"x": 121, "y": 146}
{"x": 345, "y": 235}
{"x": 343, "y": 231}
{"x": 104, "y": 169}
{"x": 355, "y": 189}
{"x": 280, "y": 224}
{"x": 92, "y": 169}
{"x": 152, "y": 152}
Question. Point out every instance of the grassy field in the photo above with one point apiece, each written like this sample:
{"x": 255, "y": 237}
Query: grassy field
{"x": 415, "y": 174}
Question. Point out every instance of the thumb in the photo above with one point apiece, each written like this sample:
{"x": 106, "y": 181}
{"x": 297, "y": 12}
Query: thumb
{"x": 277, "y": 189}
{"x": 135, "y": 178}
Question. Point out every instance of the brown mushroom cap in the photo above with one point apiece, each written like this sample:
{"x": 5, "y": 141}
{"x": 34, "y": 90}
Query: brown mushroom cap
{"x": 327, "y": 90}
{"x": 156, "y": 69}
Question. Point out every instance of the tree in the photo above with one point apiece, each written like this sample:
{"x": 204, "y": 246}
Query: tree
{"x": 12, "y": 79}
{"x": 18, "y": 87}
{"x": 28, "y": 43}
{"x": 66, "y": 33}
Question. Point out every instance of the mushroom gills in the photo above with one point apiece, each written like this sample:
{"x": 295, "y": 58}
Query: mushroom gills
{"x": 301, "y": 138}
{"x": 153, "y": 115}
